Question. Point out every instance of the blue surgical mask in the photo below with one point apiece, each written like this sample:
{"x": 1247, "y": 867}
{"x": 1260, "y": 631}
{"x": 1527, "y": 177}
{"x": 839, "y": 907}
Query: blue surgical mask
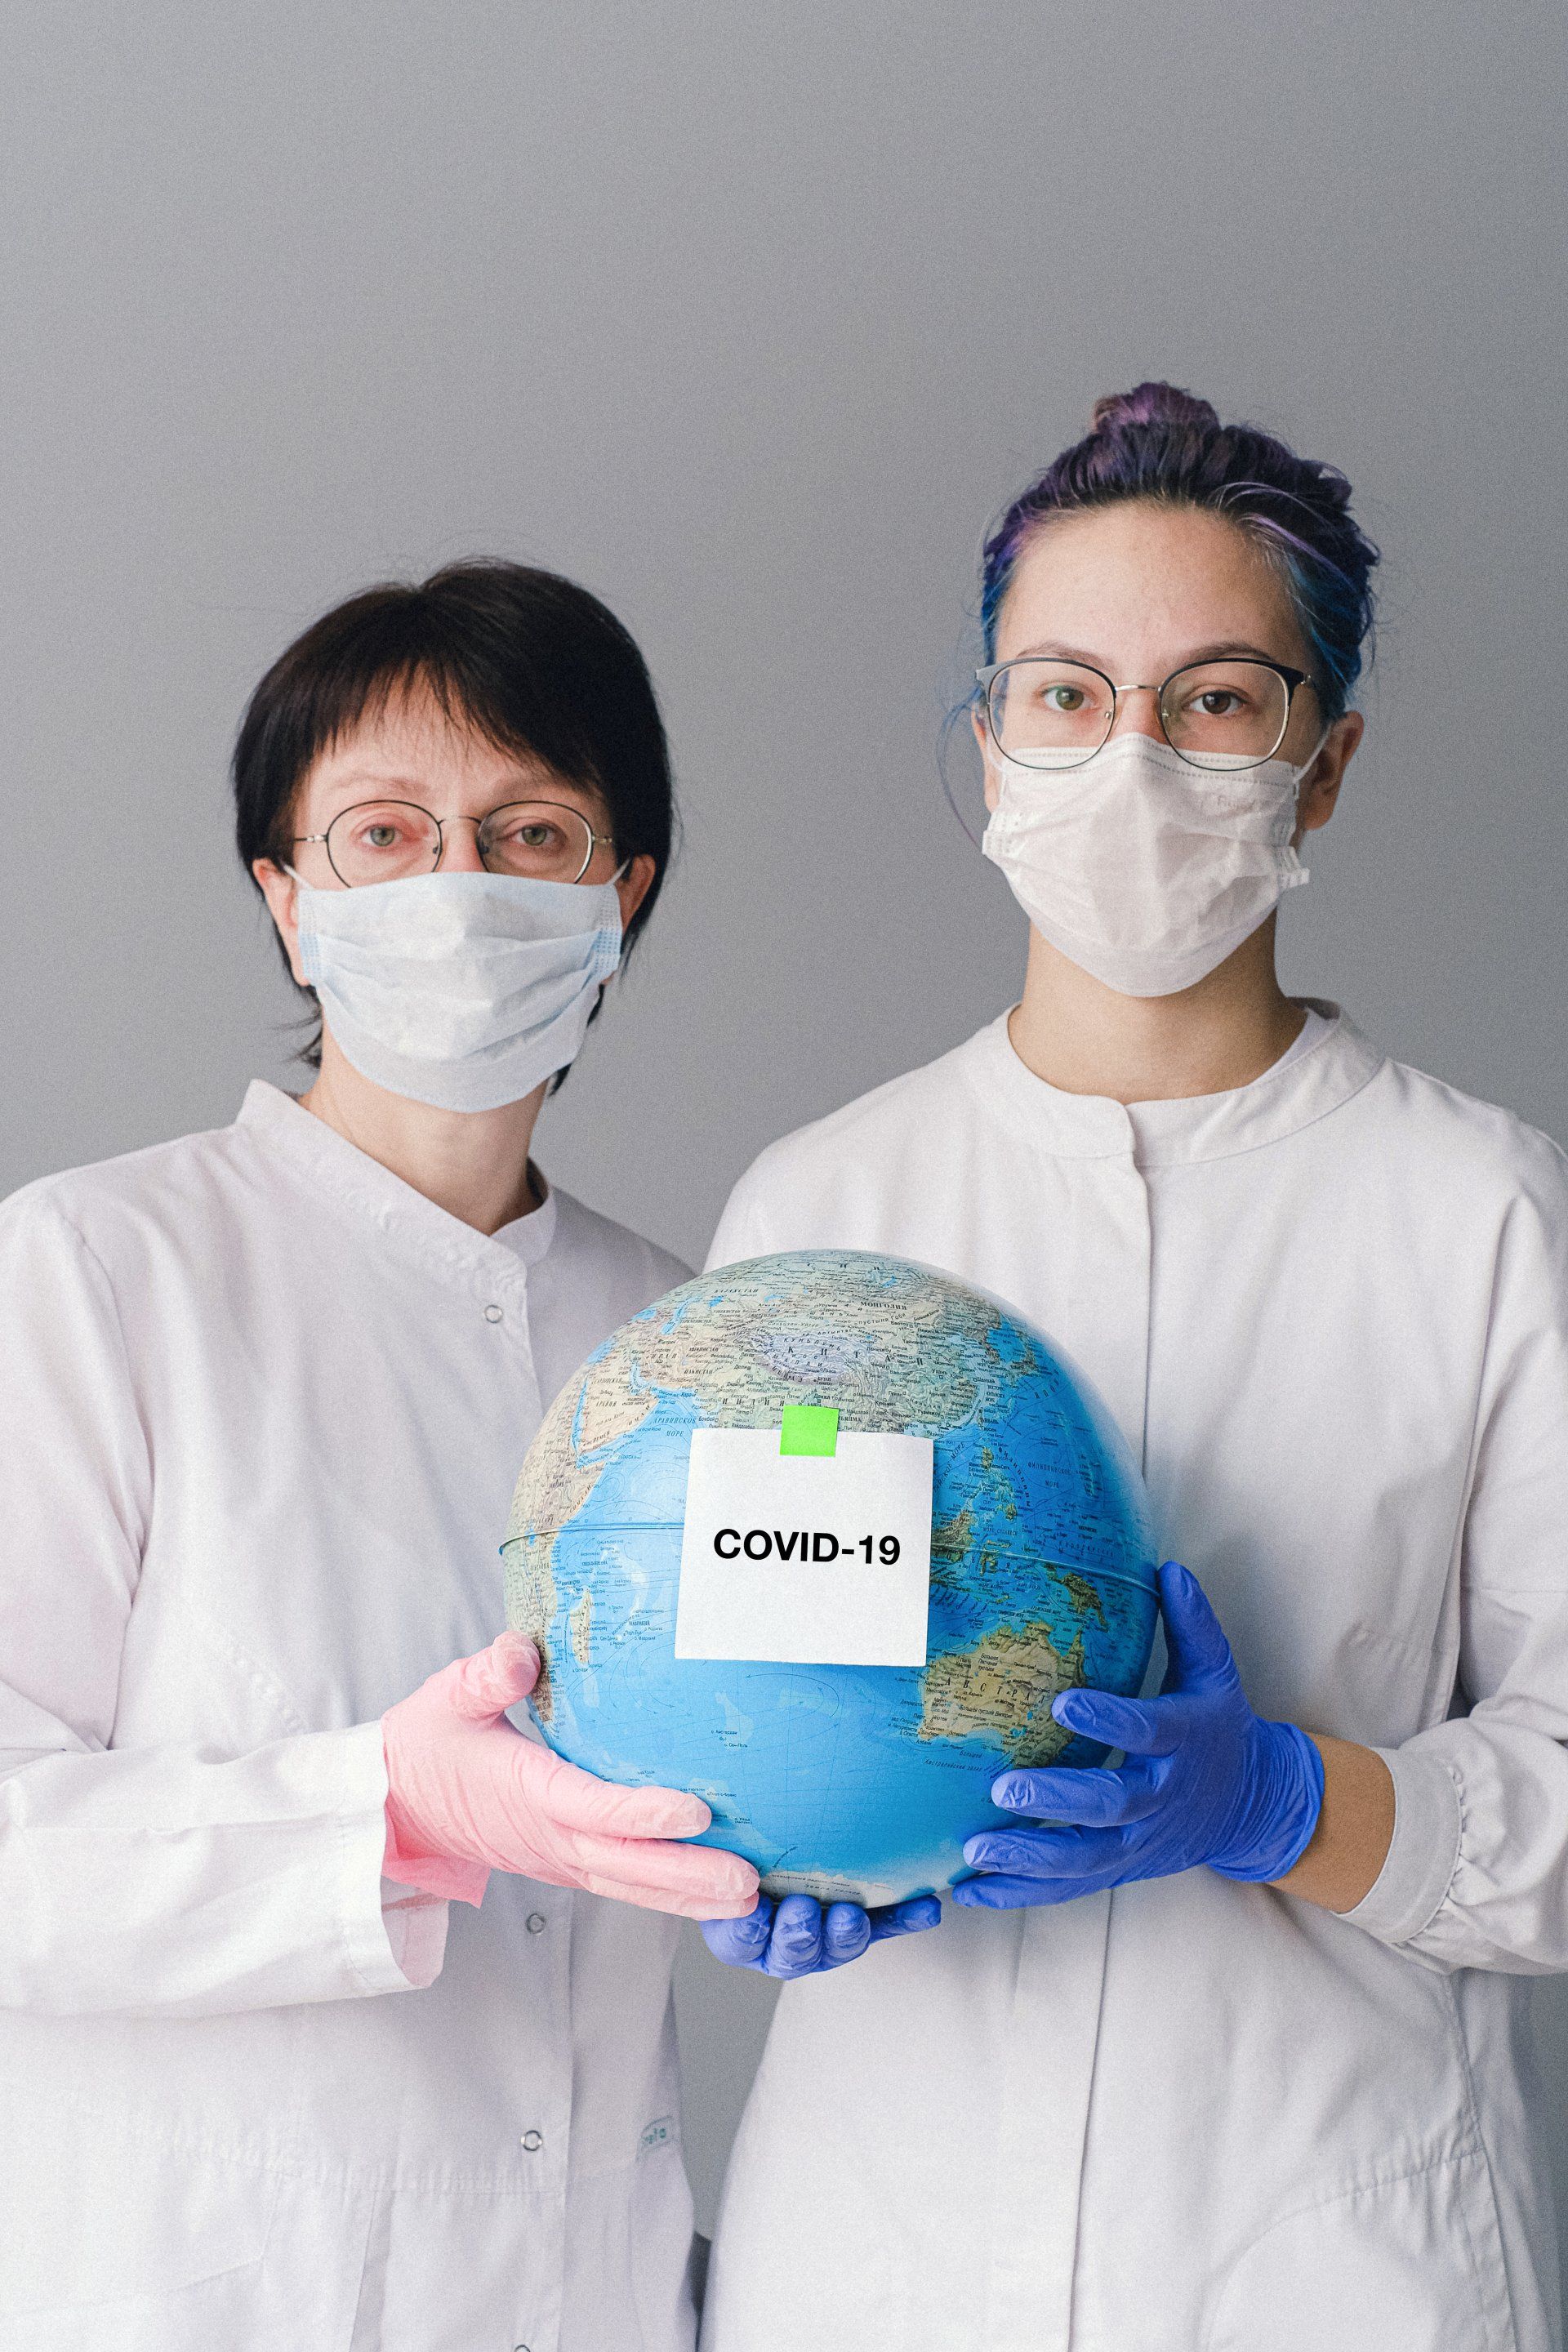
{"x": 464, "y": 990}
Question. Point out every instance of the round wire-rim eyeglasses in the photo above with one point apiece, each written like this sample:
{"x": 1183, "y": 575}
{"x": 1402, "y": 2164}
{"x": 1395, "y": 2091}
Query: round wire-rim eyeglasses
{"x": 483, "y": 836}
{"x": 996, "y": 673}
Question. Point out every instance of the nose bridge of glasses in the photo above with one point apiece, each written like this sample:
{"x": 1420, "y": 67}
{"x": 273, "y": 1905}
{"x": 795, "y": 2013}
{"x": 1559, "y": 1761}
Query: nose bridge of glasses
{"x": 458, "y": 853}
{"x": 1139, "y": 709}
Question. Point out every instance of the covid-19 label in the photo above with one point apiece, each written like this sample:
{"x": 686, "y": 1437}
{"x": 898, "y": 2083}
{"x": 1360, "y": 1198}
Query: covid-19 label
{"x": 805, "y": 1558}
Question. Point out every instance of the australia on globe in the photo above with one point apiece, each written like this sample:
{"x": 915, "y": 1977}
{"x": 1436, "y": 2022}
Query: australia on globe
{"x": 845, "y": 1782}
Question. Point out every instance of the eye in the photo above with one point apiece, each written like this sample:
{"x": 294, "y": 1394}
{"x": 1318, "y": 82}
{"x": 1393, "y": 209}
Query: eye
{"x": 382, "y": 830}
{"x": 1222, "y": 713}
{"x": 1065, "y": 699}
{"x": 537, "y": 838}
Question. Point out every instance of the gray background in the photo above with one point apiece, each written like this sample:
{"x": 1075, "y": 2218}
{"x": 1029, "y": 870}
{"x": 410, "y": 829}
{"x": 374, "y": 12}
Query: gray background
{"x": 750, "y": 319}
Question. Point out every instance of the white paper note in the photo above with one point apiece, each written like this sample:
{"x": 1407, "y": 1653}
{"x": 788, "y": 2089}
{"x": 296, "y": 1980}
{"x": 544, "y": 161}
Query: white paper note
{"x": 807, "y": 1559}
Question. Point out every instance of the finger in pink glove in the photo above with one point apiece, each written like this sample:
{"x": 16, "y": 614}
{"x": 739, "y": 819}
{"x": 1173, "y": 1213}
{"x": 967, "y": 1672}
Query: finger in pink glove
{"x": 467, "y": 1794}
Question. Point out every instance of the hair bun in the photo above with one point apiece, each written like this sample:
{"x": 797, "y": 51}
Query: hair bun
{"x": 1150, "y": 404}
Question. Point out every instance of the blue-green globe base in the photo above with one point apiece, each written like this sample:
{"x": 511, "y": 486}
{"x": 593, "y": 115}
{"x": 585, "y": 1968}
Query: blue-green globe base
{"x": 839, "y": 1781}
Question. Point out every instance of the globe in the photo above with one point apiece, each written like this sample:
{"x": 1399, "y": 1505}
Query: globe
{"x": 857, "y": 1782}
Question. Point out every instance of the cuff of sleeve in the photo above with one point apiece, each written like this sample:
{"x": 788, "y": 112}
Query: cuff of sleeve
{"x": 387, "y": 1954}
{"x": 416, "y": 1930}
{"x": 1423, "y": 1853}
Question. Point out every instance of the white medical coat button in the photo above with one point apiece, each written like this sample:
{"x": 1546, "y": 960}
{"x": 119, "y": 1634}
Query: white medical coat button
{"x": 535, "y": 1922}
{"x": 492, "y": 1313}
{"x": 533, "y": 2141}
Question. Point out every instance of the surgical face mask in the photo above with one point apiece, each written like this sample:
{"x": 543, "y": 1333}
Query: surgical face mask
{"x": 1143, "y": 869}
{"x": 463, "y": 991}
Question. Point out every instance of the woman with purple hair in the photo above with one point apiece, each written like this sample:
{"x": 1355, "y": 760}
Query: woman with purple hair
{"x": 1225, "y": 2046}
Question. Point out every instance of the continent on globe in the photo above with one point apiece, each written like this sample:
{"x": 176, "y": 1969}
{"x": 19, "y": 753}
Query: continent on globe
{"x": 840, "y": 1782}
{"x": 1001, "y": 1689}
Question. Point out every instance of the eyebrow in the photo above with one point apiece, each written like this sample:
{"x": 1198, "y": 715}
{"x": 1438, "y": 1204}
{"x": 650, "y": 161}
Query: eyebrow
{"x": 386, "y": 787}
{"x": 379, "y": 787}
{"x": 1228, "y": 650}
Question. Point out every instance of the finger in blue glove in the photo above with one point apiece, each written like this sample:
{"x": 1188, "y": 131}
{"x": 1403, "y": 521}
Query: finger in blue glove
{"x": 796, "y": 1937}
{"x": 1206, "y": 1782}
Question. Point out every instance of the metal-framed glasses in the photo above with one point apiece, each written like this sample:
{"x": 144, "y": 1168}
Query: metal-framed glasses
{"x": 389, "y": 841}
{"x": 1050, "y": 714}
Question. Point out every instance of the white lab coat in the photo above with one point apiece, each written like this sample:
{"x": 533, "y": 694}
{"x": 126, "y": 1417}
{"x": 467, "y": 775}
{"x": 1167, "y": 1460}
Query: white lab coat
{"x": 261, "y": 1408}
{"x": 1330, "y": 1312}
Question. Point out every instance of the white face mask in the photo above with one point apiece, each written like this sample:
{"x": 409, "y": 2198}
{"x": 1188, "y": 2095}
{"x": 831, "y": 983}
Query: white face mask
{"x": 463, "y": 991}
{"x": 1143, "y": 871}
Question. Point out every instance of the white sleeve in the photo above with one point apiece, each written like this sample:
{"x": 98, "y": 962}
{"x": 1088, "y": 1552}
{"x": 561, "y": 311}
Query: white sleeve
{"x": 1476, "y": 1876}
{"x": 162, "y": 1879}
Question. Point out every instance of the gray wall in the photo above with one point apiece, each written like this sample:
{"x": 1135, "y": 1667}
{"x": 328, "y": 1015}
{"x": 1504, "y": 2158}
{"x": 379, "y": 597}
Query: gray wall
{"x": 748, "y": 318}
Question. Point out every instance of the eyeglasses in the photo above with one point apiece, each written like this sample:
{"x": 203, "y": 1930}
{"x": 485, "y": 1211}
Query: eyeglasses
{"x": 388, "y": 841}
{"x": 1048, "y": 714}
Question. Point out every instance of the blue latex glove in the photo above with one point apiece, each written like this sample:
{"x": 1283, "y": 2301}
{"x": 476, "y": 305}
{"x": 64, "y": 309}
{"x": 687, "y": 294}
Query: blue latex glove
{"x": 1206, "y": 1780}
{"x": 796, "y": 1937}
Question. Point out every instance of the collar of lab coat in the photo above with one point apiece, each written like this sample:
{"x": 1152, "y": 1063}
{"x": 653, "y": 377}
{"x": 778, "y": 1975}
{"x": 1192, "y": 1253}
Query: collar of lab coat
{"x": 1296, "y": 1091}
{"x": 413, "y": 1226}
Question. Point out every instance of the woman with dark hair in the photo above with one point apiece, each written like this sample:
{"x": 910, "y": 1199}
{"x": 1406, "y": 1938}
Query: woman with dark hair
{"x": 1224, "y": 2045}
{"x": 263, "y": 1396}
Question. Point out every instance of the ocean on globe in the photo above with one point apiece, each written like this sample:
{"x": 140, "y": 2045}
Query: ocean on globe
{"x": 857, "y": 1782}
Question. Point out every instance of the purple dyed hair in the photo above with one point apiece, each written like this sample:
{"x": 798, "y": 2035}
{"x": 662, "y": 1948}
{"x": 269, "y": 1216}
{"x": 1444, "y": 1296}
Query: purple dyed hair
{"x": 1164, "y": 445}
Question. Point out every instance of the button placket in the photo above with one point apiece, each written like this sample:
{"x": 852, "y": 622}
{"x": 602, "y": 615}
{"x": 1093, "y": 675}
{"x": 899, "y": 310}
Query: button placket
{"x": 543, "y": 2126}
{"x": 500, "y": 1297}
{"x": 1057, "y": 2012}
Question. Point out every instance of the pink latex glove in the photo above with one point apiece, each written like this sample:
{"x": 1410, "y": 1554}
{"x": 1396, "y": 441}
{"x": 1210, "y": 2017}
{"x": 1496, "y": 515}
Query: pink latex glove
{"x": 467, "y": 1794}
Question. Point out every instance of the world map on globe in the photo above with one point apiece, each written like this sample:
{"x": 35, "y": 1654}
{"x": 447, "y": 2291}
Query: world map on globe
{"x": 857, "y": 1782}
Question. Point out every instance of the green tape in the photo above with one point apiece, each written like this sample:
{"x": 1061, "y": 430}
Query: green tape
{"x": 810, "y": 1429}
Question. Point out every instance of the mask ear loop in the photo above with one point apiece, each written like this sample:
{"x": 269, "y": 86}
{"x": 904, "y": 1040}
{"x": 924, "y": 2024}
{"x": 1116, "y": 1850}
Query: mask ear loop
{"x": 1312, "y": 759}
{"x": 992, "y": 759}
{"x": 1300, "y": 776}
{"x": 955, "y": 718}
{"x": 1308, "y": 764}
